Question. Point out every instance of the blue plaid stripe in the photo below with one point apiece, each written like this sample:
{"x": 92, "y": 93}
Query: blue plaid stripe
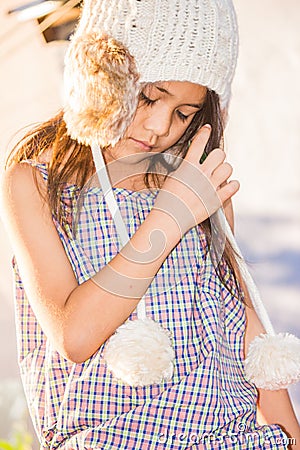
{"x": 82, "y": 406}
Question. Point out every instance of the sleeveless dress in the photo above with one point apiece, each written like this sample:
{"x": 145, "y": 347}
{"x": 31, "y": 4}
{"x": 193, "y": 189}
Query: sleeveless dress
{"x": 208, "y": 404}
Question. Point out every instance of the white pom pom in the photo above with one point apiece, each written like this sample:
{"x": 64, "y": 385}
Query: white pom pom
{"x": 273, "y": 362}
{"x": 140, "y": 353}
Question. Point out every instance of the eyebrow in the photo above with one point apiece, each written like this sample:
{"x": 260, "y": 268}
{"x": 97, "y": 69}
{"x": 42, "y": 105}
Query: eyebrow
{"x": 161, "y": 89}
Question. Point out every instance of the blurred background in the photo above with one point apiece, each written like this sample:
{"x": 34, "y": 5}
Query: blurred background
{"x": 262, "y": 142}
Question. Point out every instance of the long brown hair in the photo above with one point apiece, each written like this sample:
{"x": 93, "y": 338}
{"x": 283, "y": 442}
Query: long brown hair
{"x": 69, "y": 160}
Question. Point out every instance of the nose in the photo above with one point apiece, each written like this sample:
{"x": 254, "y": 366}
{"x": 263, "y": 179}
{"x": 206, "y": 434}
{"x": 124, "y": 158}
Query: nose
{"x": 158, "y": 122}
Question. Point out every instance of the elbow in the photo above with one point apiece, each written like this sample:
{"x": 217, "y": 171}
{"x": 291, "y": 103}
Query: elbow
{"x": 74, "y": 355}
{"x": 80, "y": 337}
{"x": 77, "y": 348}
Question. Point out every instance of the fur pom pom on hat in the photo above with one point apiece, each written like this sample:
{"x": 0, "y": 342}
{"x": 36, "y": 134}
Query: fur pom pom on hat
{"x": 101, "y": 89}
{"x": 161, "y": 40}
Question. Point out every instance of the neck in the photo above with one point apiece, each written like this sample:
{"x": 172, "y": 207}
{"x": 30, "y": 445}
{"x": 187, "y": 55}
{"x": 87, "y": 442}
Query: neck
{"x": 129, "y": 173}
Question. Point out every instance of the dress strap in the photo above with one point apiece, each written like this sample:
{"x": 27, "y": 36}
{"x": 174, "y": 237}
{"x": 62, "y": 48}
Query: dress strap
{"x": 114, "y": 209}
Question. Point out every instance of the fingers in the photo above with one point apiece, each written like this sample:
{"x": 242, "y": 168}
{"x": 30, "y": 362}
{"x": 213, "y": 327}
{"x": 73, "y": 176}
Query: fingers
{"x": 221, "y": 174}
{"x": 198, "y": 144}
{"x": 228, "y": 190}
{"x": 202, "y": 188}
{"x": 215, "y": 168}
{"x": 213, "y": 160}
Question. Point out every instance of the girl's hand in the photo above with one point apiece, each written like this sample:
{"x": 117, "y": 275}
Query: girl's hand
{"x": 194, "y": 191}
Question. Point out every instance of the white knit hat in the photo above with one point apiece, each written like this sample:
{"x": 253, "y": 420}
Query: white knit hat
{"x": 182, "y": 40}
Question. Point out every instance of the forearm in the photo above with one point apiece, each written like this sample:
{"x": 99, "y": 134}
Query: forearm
{"x": 96, "y": 308}
{"x": 276, "y": 407}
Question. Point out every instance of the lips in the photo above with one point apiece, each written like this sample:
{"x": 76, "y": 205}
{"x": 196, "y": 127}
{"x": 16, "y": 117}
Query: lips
{"x": 144, "y": 145}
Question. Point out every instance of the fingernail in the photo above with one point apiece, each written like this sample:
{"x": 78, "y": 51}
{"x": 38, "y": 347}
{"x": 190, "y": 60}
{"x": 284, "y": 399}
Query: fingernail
{"x": 207, "y": 125}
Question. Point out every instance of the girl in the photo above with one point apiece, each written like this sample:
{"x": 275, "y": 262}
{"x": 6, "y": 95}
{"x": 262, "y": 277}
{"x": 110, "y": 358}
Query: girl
{"x": 147, "y": 90}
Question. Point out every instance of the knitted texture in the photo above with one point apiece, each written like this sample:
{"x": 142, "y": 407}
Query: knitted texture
{"x": 182, "y": 40}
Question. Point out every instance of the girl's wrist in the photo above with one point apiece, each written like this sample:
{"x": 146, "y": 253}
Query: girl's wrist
{"x": 163, "y": 222}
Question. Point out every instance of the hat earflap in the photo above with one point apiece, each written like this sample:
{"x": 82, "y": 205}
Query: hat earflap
{"x": 101, "y": 89}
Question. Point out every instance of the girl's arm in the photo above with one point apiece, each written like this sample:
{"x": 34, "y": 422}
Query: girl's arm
{"x": 79, "y": 318}
{"x": 276, "y": 407}
{"x": 273, "y": 406}
{"x": 76, "y": 318}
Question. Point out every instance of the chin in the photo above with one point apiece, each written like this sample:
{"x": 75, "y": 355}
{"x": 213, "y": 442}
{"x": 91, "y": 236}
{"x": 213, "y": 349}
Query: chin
{"x": 133, "y": 158}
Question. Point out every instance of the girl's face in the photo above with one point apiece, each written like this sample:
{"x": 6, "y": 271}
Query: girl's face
{"x": 165, "y": 111}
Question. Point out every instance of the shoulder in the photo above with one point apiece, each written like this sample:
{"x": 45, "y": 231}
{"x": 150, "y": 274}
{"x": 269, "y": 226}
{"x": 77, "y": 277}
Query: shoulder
{"x": 21, "y": 186}
{"x": 19, "y": 177}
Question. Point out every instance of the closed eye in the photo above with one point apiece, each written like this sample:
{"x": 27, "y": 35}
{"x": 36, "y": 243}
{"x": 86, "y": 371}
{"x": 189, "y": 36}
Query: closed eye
{"x": 181, "y": 116}
{"x": 146, "y": 100}
{"x": 150, "y": 102}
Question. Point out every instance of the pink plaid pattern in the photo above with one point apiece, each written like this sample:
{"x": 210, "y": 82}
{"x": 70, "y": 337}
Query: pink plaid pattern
{"x": 208, "y": 404}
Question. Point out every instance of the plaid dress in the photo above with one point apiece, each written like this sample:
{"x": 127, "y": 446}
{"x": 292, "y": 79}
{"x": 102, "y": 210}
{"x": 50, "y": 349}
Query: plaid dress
{"x": 208, "y": 404}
